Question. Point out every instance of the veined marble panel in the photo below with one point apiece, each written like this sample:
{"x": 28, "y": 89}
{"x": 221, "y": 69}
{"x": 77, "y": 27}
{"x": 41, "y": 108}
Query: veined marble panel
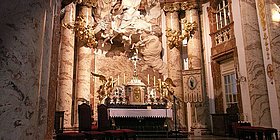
{"x": 25, "y": 42}
{"x": 255, "y": 66}
{"x": 274, "y": 28}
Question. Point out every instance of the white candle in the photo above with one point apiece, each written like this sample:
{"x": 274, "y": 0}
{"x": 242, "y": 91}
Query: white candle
{"x": 148, "y": 79}
{"x": 124, "y": 78}
{"x": 190, "y": 16}
{"x": 159, "y": 81}
{"x": 154, "y": 80}
{"x": 118, "y": 79}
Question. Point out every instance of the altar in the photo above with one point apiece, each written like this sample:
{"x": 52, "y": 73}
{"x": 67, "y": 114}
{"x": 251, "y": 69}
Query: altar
{"x": 141, "y": 119}
{"x": 139, "y": 113}
{"x": 135, "y": 105}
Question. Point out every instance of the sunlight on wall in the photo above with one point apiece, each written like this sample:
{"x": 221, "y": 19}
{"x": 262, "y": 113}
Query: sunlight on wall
{"x": 275, "y": 13}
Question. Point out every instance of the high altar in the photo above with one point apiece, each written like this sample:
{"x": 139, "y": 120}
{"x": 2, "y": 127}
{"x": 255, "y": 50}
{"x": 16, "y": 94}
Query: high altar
{"x": 134, "y": 104}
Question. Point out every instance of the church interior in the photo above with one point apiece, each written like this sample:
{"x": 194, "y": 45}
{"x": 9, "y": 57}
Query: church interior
{"x": 109, "y": 69}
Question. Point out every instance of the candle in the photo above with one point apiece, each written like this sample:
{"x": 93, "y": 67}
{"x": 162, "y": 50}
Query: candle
{"x": 190, "y": 16}
{"x": 154, "y": 80}
{"x": 148, "y": 79}
{"x": 124, "y": 78}
{"x": 118, "y": 79}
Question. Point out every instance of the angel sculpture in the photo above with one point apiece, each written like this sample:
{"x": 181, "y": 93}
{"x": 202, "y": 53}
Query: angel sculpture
{"x": 105, "y": 88}
{"x": 167, "y": 85}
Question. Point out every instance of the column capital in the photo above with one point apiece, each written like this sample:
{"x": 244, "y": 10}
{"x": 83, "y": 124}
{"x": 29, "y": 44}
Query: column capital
{"x": 188, "y": 5}
{"x": 171, "y": 7}
{"x": 88, "y": 3}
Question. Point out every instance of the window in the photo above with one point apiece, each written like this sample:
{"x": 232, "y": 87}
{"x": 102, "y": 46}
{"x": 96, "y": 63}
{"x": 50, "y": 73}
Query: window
{"x": 230, "y": 89}
{"x": 222, "y": 14}
{"x": 229, "y": 84}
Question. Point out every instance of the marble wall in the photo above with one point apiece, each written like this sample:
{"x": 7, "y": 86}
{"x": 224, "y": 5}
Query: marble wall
{"x": 25, "y": 53}
{"x": 254, "y": 64}
{"x": 275, "y": 49}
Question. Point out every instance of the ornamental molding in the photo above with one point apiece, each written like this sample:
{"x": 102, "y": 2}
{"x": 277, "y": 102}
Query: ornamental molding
{"x": 171, "y": 7}
{"x": 189, "y": 5}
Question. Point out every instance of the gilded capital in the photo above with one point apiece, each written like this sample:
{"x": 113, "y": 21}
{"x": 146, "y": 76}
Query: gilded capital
{"x": 85, "y": 33}
{"x": 189, "y": 5}
{"x": 88, "y": 3}
{"x": 171, "y": 7}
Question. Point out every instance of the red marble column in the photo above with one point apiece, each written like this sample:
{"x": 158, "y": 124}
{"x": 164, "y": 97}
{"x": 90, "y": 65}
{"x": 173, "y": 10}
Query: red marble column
{"x": 65, "y": 81}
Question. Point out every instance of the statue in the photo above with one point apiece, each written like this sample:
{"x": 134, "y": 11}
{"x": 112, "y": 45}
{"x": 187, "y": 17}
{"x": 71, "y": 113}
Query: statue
{"x": 105, "y": 88}
{"x": 124, "y": 21}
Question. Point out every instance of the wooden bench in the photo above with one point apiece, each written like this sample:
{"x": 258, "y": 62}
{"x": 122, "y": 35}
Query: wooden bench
{"x": 253, "y": 132}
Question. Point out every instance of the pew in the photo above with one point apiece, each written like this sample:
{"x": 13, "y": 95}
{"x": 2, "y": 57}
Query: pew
{"x": 254, "y": 132}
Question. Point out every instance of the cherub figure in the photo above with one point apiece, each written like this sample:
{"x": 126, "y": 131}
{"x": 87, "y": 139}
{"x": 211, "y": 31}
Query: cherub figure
{"x": 167, "y": 85}
{"x": 105, "y": 88}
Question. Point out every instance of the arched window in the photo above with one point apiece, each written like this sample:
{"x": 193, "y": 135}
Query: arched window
{"x": 222, "y": 14}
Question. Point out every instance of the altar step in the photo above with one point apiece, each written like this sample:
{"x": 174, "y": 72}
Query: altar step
{"x": 161, "y": 134}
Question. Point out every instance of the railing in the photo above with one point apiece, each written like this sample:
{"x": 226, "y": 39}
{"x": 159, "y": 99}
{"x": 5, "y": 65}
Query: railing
{"x": 223, "y": 35}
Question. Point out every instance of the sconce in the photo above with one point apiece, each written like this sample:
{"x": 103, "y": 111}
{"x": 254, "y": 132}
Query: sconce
{"x": 84, "y": 32}
{"x": 189, "y": 30}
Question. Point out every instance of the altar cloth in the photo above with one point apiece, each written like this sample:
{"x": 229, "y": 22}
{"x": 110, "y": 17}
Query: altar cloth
{"x": 140, "y": 113}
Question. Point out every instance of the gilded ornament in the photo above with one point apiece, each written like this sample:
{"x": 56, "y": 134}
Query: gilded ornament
{"x": 173, "y": 38}
{"x": 261, "y": 7}
{"x": 270, "y": 71}
{"x": 189, "y": 29}
{"x": 85, "y": 33}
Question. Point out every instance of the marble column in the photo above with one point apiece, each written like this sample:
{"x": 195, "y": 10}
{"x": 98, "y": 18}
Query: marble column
{"x": 194, "y": 43}
{"x": 199, "y": 107}
{"x": 25, "y": 65}
{"x": 83, "y": 54}
{"x": 174, "y": 60}
{"x": 65, "y": 87}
